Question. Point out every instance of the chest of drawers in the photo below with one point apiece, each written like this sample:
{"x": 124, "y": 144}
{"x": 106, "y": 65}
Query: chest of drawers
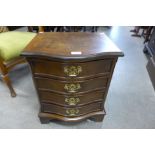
{"x": 72, "y": 74}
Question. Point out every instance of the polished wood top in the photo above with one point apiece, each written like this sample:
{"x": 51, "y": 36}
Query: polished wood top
{"x": 71, "y": 45}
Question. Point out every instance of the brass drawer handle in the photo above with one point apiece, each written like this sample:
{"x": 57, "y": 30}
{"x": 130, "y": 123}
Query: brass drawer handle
{"x": 72, "y": 70}
{"x": 72, "y": 112}
{"x": 72, "y": 100}
{"x": 72, "y": 87}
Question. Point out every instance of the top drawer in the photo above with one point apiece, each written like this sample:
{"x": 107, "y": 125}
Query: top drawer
{"x": 81, "y": 69}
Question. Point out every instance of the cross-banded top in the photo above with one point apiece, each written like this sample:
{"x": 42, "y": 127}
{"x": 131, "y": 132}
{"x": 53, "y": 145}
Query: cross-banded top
{"x": 71, "y": 45}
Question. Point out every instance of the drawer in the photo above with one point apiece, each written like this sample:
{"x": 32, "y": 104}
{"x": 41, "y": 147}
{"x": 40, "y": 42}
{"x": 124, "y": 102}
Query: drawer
{"x": 71, "y": 86}
{"x": 62, "y": 70}
{"x": 71, "y": 112}
{"x": 71, "y": 100}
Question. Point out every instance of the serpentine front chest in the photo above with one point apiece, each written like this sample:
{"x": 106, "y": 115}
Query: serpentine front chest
{"x": 72, "y": 73}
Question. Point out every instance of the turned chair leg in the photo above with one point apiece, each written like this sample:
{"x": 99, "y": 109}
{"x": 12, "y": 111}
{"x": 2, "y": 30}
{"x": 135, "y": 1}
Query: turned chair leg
{"x": 8, "y": 83}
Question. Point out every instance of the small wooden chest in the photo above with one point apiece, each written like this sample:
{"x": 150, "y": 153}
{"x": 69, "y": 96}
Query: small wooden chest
{"x": 72, "y": 74}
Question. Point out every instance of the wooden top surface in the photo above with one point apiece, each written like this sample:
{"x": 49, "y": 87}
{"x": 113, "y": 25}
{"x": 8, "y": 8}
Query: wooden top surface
{"x": 71, "y": 45}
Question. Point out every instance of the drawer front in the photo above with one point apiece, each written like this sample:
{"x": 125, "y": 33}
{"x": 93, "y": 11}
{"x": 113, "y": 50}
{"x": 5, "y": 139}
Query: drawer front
{"x": 83, "y": 69}
{"x": 71, "y": 86}
{"x": 70, "y": 100}
{"x": 71, "y": 112}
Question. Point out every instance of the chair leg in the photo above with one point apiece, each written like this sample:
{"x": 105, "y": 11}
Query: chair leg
{"x": 8, "y": 83}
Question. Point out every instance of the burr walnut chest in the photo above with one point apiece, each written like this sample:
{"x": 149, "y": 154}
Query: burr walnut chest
{"x": 72, "y": 74}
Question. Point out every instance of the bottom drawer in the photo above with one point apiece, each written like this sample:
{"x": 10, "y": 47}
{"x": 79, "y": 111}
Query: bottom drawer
{"x": 71, "y": 112}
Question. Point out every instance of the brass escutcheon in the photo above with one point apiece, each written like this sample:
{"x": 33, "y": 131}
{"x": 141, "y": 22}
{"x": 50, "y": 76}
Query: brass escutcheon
{"x": 72, "y": 70}
{"x": 72, "y": 87}
{"x": 72, "y": 112}
{"x": 72, "y": 100}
